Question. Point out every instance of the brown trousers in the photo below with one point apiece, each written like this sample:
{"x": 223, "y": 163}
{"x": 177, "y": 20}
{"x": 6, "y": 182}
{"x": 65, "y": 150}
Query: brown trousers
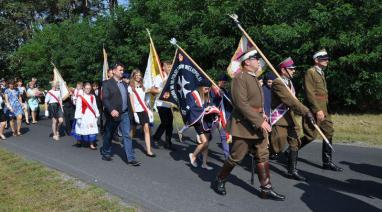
{"x": 280, "y": 135}
{"x": 326, "y": 127}
{"x": 241, "y": 146}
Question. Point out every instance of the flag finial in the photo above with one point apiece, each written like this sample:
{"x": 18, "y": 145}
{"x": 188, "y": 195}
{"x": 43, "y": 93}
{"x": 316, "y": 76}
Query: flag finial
{"x": 173, "y": 41}
{"x": 235, "y": 17}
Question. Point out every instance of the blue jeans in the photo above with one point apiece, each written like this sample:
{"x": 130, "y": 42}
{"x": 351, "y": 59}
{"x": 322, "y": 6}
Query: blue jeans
{"x": 110, "y": 128}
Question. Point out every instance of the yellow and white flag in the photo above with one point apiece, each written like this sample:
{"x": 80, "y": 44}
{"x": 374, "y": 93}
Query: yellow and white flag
{"x": 234, "y": 66}
{"x": 105, "y": 67}
{"x": 153, "y": 69}
{"x": 58, "y": 78}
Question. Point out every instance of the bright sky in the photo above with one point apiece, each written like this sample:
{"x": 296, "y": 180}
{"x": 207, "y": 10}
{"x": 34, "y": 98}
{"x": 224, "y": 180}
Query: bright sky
{"x": 123, "y": 2}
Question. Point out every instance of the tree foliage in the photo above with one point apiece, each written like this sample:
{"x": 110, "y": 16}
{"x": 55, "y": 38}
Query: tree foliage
{"x": 351, "y": 31}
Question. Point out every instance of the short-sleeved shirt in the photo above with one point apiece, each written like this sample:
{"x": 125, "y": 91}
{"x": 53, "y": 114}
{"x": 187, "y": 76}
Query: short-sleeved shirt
{"x": 50, "y": 99}
{"x": 159, "y": 83}
{"x": 137, "y": 106}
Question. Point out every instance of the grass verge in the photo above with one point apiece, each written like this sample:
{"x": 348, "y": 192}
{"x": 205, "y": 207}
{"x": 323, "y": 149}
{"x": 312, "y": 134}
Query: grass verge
{"x": 365, "y": 128}
{"x": 28, "y": 186}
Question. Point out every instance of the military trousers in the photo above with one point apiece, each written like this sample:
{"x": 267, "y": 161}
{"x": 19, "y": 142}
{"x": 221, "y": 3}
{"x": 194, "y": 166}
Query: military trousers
{"x": 241, "y": 146}
{"x": 281, "y": 135}
{"x": 326, "y": 126}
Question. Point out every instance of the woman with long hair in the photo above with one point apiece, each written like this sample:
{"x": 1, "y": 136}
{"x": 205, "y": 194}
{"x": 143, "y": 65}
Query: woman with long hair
{"x": 14, "y": 107}
{"x": 53, "y": 108}
{"x": 139, "y": 108}
{"x": 201, "y": 115}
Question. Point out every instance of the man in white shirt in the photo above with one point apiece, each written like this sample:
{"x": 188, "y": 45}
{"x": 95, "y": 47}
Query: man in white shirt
{"x": 164, "y": 108}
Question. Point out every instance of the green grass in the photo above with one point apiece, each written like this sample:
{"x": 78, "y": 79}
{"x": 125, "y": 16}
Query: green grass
{"x": 28, "y": 186}
{"x": 365, "y": 128}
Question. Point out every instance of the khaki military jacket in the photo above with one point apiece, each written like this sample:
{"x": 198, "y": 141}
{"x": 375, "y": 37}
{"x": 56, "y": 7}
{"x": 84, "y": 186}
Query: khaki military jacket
{"x": 280, "y": 94}
{"x": 316, "y": 93}
{"x": 248, "y": 103}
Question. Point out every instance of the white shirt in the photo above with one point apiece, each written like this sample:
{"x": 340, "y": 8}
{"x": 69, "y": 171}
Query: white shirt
{"x": 141, "y": 93}
{"x": 159, "y": 83}
{"x": 1, "y": 102}
{"x": 50, "y": 99}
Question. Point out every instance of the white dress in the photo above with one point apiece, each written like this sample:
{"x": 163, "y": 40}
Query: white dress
{"x": 86, "y": 122}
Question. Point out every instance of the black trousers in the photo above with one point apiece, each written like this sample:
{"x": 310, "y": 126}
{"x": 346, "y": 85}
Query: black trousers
{"x": 166, "y": 118}
{"x": 68, "y": 119}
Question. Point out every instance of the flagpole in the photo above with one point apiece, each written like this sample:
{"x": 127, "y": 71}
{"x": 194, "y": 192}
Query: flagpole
{"x": 235, "y": 18}
{"x": 174, "y": 42}
{"x": 156, "y": 54}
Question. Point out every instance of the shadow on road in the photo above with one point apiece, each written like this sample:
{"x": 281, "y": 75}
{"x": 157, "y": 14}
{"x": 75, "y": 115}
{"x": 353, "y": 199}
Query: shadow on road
{"x": 367, "y": 169}
{"x": 325, "y": 194}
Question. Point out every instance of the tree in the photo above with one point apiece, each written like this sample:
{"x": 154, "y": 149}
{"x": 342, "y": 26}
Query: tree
{"x": 349, "y": 30}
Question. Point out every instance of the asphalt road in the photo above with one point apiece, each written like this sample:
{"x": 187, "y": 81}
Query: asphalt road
{"x": 169, "y": 183}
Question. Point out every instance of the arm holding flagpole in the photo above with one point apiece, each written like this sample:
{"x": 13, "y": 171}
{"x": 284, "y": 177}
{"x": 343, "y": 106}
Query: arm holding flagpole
{"x": 237, "y": 22}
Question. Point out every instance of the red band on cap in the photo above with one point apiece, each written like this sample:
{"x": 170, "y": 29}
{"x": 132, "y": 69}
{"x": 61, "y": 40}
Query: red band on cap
{"x": 286, "y": 64}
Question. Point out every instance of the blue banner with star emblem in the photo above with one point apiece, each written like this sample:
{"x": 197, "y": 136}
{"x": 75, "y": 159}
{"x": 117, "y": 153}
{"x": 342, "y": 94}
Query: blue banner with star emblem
{"x": 183, "y": 79}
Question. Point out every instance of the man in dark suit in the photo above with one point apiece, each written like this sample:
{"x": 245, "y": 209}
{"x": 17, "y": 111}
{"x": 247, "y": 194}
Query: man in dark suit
{"x": 116, "y": 103}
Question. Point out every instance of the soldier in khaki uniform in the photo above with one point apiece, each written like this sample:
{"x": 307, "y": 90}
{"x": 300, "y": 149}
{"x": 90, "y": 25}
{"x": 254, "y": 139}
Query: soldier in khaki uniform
{"x": 249, "y": 127}
{"x": 282, "y": 118}
{"x": 316, "y": 96}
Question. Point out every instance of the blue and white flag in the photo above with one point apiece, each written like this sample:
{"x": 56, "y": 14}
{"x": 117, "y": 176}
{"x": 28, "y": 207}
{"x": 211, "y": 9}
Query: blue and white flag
{"x": 181, "y": 87}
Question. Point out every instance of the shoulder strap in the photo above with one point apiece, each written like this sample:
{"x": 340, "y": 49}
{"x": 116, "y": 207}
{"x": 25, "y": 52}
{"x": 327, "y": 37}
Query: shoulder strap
{"x": 139, "y": 100}
{"x": 55, "y": 97}
{"x": 85, "y": 104}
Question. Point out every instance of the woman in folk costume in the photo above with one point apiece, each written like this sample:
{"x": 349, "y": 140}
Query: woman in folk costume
{"x": 142, "y": 114}
{"x": 14, "y": 107}
{"x": 202, "y": 116}
{"x": 53, "y": 108}
{"x": 86, "y": 128}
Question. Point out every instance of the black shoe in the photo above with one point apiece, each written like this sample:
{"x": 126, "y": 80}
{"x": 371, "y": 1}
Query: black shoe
{"x": 294, "y": 175}
{"x": 151, "y": 156}
{"x": 332, "y": 166}
{"x": 219, "y": 186}
{"x": 269, "y": 193}
{"x": 292, "y": 166}
{"x": 106, "y": 158}
{"x": 134, "y": 163}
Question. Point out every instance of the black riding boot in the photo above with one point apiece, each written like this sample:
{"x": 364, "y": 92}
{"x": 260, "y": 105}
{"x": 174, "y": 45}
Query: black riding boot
{"x": 292, "y": 166}
{"x": 267, "y": 191}
{"x": 221, "y": 179}
{"x": 304, "y": 142}
{"x": 327, "y": 158}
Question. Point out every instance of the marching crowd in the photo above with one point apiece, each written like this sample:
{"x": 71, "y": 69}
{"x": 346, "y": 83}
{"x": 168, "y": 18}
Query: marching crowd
{"x": 262, "y": 115}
